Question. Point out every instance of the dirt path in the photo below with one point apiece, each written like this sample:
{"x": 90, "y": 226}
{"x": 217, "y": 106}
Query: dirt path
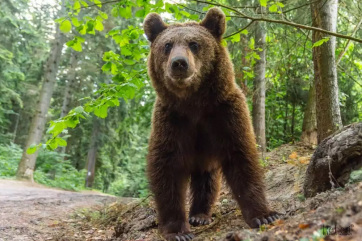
{"x": 29, "y": 211}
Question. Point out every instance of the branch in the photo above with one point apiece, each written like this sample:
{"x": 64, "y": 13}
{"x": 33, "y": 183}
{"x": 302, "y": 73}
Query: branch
{"x": 350, "y": 76}
{"x": 306, "y": 4}
{"x": 348, "y": 42}
{"x": 102, "y": 3}
{"x": 242, "y": 15}
{"x": 240, "y": 30}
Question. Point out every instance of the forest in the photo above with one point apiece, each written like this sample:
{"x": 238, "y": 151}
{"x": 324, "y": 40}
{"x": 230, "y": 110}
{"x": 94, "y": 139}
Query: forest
{"x": 76, "y": 100}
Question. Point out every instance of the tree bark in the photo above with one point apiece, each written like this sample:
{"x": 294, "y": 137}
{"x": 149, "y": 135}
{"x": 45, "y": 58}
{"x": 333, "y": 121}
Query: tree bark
{"x": 92, "y": 154}
{"x": 258, "y": 112}
{"x": 309, "y": 129}
{"x": 324, "y": 15}
{"x": 71, "y": 77}
{"x": 70, "y": 84}
{"x": 27, "y": 162}
{"x": 334, "y": 159}
{"x": 244, "y": 63}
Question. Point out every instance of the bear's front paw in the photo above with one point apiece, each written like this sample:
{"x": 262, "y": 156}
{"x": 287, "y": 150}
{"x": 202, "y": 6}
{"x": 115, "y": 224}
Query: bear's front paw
{"x": 179, "y": 236}
{"x": 258, "y": 221}
{"x": 200, "y": 219}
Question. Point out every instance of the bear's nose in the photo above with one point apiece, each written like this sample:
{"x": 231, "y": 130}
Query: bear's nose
{"x": 179, "y": 63}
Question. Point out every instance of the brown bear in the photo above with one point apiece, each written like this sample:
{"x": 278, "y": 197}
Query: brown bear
{"x": 201, "y": 127}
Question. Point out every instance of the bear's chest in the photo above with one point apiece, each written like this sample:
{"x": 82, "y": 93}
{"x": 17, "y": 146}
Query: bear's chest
{"x": 199, "y": 133}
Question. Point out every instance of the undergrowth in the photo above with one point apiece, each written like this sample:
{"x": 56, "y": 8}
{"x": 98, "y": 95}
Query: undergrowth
{"x": 51, "y": 170}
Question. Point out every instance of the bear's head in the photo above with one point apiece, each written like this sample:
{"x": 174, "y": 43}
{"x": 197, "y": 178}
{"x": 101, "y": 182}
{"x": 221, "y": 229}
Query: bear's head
{"x": 183, "y": 54}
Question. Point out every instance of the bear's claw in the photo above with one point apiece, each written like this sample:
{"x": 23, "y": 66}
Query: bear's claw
{"x": 201, "y": 219}
{"x": 267, "y": 219}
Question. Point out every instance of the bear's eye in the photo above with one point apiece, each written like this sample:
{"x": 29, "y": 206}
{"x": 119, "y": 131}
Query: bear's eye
{"x": 168, "y": 47}
{"x": 194, "y": 46}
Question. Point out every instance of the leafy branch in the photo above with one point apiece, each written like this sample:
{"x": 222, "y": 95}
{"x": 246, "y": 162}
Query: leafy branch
{"x": 289, "y": 23}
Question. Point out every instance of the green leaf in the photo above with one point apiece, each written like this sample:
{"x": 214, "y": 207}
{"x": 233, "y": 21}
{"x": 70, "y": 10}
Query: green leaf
{"x": 59, "y": 20}
{"x": 115, "y": 12}
{"x": 82, "y": 29}
{"x": 61, "y": 142}
{"x": 252, "y": 43}
{"x": 84, "y": 3}
{"x": 107, "y": 67}
{"x": 52, "y": 144}
{"x": 159, "y": 3}
{"x": 125, "y": 12}
{"x": 103, "y": 14}
{"x": 101, "y": 111}
{"x": 32, "y": 149}
{"x": 273, "y": 8}
{"x": 76, "y": 43}
{"x": 75, "y": 22}
{"x": 186, "y": 14}
{"x": 140, "y": 13}
{"x": 78, "y": 110}
{"x": 99, "y": 25}
{"x": 98, "y": 3}
{"x": 65, "y": 26}
{"x": 133, "y": 34}
{"x": 263, "y": 3}
{"x": 245, "y": 32}
{"x": 72, "y": 123}
{"x": 126, "y": 52}
{"x": 90, "y": 27}
{"x": 320, "y": 42}
{"x": 235, "y": 38}
{"x": 129, "y": 61}
{"x": 114, "y": 69}
{"x": 280, "y": 4}
{"x": 76, "y": 5}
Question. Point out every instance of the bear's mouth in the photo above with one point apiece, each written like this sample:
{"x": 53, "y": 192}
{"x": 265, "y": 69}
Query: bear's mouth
{"x": 181, "y": 81}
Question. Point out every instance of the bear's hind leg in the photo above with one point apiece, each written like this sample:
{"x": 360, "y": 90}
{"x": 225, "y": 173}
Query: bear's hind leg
{"x": 204, "y": 189}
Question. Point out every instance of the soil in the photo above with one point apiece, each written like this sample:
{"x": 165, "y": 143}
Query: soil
{"x": 44, "y": 214}
{"x": 29, "y": 211}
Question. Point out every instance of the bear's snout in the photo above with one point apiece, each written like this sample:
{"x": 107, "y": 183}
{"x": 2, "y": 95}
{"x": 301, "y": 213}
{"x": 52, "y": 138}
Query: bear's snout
{"x": 179, "y": 65}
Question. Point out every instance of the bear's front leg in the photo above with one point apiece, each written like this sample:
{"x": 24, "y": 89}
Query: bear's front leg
{"x": 168, "y": 183}
{"x": 241, "y": 166}
{"x": 246, "y": 183}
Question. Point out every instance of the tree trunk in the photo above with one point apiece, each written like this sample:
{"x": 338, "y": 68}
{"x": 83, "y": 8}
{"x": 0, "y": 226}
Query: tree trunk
{"x": 324, "y": 15}
{"x": 92, "y": 153}
{"x": 259, "y": 88}
{"x": 244, "y": 63}
{"x": 70, "y": 84}
{"x": 334, "y": 159}
{"x": 71, "y": 77}
{"x": 293, "y": 122}
{"x": 27, "y": 162}
{"x": 286, "y": 117}
{"x": 309, "y": 129}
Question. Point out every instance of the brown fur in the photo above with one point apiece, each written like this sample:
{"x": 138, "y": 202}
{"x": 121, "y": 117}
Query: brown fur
{"x": 201, "y": 126}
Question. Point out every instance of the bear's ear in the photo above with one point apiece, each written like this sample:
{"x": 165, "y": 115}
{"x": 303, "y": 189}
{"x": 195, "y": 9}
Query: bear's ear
{"x": 153, "y": 25}
{"x": 214, "y": 21}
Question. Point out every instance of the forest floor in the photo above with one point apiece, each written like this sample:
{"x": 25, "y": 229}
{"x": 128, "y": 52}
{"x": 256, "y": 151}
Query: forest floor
{"x": 331, "y": 215}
